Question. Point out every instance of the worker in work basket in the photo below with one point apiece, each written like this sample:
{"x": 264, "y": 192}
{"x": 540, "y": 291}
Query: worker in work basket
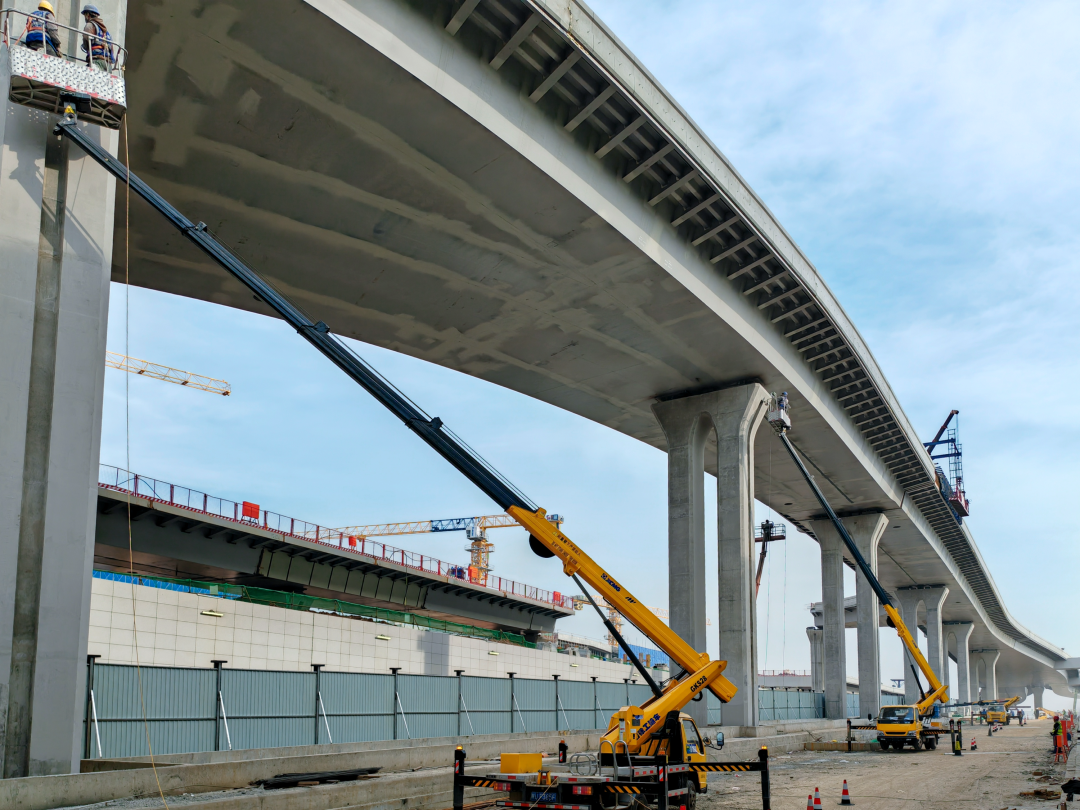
{"x": 779, "y": 417}
{"x": 41, "y": 30}
{"x": 97, "y": 41}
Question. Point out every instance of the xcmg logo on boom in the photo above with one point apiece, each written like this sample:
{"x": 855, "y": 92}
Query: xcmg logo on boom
{"x": 611, "y": 582}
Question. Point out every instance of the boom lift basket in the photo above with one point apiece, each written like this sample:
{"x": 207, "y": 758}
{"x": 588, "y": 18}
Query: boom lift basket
{"x": 46, "y": 81}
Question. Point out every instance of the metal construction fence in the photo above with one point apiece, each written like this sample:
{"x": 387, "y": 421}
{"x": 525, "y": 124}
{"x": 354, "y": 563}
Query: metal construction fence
{"x": 189, "y": 710}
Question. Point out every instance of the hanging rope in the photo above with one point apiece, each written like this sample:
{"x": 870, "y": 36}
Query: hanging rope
{"x": 127, "y": 449}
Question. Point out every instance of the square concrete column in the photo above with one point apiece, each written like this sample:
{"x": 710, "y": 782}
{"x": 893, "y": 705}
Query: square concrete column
{"x": 833, "y": 619}
{"x": 989, "y": 658}
{"x": 1040, "y": 695}
{"x": 908, "y": 601}
{"x": 817, "y": 663}
{"x": 962, "y": 632}
{"x": 735, "y": 414}
{"x": 866, "y": 531}
{"x": 934, "y": 598}
{"x": 56, "y": 223}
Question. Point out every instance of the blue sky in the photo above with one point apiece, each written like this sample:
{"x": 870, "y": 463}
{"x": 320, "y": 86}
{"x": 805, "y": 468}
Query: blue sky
{"x": 925, "y": 159}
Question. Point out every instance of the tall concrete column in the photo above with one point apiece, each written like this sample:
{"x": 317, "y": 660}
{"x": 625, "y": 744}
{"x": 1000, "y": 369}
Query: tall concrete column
{"x": 866, "y": 531}
{"x": 817, "y": 659}
{"x": 735, "y": 414}
{"x": 908, "y": 601}
{"x": 56, "y": 219}
{"x": 934, "y": 598}
{"x": 833, "y": 619}
{"x": 1040, "y": 695}
{"x": 962, "y": 692}
{"x": 989, "y": 684}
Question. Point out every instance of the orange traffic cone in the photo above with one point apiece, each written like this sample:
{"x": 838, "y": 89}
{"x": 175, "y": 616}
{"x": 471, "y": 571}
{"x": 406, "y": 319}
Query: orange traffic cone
{"x": 810, "y": 802}
{"x": 845, "y": 797}
{"x": 974, "y": 745}
{"x": 817, "y": 799}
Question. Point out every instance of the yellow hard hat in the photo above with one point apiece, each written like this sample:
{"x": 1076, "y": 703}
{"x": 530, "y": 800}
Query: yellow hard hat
{"x": 45, "y": 4}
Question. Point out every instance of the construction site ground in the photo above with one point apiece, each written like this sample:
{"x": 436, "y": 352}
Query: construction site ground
{"x": 1014, "y": 761}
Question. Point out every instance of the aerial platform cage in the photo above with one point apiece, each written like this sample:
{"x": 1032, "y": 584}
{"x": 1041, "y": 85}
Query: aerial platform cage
{"x": 951, "y": 485}
{"x": 50, "y": 76}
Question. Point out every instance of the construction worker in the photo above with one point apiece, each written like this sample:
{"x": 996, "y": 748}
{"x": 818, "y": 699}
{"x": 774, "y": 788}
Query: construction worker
{"x": 96, "y": 41}
{"x": 1056, "y": 734}
{"x": 41, "y": 30}
{"x": 782, "y": 402}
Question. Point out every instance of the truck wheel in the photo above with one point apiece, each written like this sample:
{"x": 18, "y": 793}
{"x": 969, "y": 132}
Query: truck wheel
{"x": 931, "y": 743}
{"x": 885, "y": 745}
{"x": 691, "y": 796}
{"x": 918, "y": 744}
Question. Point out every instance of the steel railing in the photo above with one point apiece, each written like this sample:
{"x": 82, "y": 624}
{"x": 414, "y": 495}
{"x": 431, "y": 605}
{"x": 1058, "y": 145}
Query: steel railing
{"x": 12, "y": 20}
{"x": 175, "y": 495}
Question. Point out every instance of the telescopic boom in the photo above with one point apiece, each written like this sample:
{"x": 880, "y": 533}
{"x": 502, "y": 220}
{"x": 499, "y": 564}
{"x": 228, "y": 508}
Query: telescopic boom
{"x": 545, "y": 537}
{"x": 937, "y": 691}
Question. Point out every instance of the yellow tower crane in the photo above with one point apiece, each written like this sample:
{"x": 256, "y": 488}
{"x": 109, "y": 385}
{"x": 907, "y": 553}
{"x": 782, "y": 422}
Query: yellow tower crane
{"x": 144, "y": 368}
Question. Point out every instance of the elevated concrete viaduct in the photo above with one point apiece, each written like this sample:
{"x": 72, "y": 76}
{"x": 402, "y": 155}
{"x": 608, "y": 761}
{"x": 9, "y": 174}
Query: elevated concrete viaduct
{"x": 500, "y": 187}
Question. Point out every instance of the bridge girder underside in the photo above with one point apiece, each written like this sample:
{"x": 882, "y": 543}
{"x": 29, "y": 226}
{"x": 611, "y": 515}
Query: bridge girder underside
{"x": 397, "y": 218}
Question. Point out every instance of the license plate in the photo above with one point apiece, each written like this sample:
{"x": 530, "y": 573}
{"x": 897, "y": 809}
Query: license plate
{"x": 549, "y": 796}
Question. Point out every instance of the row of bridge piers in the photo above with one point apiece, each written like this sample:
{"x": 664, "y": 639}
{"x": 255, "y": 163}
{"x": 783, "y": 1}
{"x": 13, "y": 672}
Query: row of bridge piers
{"x": 735, "y": 414}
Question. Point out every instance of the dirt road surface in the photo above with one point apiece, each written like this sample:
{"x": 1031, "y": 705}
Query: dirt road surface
{"x": 991, "y": 778}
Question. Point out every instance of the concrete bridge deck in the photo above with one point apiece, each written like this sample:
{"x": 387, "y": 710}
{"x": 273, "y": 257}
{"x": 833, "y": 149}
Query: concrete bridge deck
{"x": 501, "y": 188}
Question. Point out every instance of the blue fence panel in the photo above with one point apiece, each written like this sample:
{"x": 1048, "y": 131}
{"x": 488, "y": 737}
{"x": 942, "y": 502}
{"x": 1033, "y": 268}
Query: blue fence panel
{"x": 268, "y": 709}
{"x": 180, "y": 705}
{"x": 359, "y": 706}
{"x": 488, "y": 703}
{"x": 428, "y": 702}
{"x": 577, "y": 709}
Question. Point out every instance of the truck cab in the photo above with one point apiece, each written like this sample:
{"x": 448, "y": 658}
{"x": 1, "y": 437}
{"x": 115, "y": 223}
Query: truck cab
{"x": 899, "y": 726}
{"x": 996, "y": 713}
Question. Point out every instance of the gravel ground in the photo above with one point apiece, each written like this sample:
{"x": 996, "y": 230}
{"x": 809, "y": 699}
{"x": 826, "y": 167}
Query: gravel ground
{"x": 991, "y": 778}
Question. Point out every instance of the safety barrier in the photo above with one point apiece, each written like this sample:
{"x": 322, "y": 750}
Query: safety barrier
{"x": 191, "y": 710}
{"x": 251, "y": 514}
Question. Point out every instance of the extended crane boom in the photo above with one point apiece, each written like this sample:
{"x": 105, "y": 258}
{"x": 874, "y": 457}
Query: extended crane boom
{"x": 937, "y": 691}
{"x": 634, "y": 726}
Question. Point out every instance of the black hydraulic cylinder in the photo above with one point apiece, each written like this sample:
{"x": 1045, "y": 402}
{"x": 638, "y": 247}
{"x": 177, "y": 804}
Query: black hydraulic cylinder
{"x": 656, "y": 690}
{"x": 837, "y": 523}
{"x": 317, "y": 334}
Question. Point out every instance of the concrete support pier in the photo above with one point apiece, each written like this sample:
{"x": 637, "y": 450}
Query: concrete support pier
{"x": 987, "y": 686}
{"x": 931, "y": 598}
{"x": 1039, "y": 693}
{"x": 817, "y": 659}
{"x": 834, "y": 651}
{"x": 56, "y": 228}
{"x": 866, "y": 531}
{"x": 961, "y": 631}
{"x": 735, "y": 414}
